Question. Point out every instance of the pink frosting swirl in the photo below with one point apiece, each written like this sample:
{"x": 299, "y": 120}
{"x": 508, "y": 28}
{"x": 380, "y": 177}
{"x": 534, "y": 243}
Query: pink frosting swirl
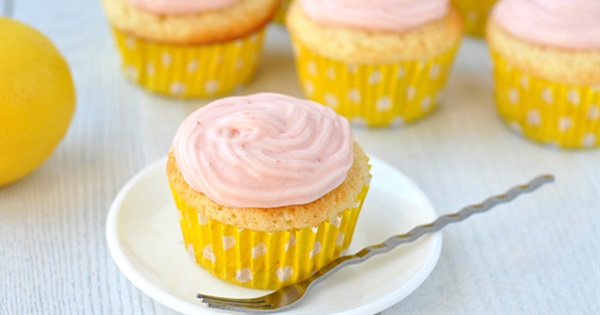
{"x": 571, "y": 24}
{"x": 377, "y": 15}
{"x": 181, "y": 6}
{"x": 264, "y": 150}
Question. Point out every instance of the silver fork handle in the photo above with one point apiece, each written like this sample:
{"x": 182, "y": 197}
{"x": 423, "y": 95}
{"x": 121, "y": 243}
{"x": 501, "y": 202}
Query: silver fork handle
{"x": 421, "y": 230}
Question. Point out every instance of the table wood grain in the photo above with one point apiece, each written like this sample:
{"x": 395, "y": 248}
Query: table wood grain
{"x": 539, "y": 254}
{"x": 5, "y": 7}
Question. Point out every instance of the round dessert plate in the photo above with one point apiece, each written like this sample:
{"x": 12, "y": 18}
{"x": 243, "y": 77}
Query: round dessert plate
{"x": 145, "y": 241}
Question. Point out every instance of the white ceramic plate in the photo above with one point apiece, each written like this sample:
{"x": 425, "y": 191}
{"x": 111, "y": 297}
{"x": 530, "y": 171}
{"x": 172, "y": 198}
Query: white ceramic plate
{"x": 145, "y": 241}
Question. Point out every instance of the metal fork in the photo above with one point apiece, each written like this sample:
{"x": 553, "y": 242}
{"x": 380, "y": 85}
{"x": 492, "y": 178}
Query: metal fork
{"x": 287, "y": 297}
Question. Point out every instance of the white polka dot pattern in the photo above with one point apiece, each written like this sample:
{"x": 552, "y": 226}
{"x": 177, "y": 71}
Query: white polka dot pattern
{"x": 573, "y": 97}
{"x": 374, "y": 95}
{"x": 309, "y": 88}
{"x": 434, "y": 72}
{"x": 589, "y": 139}
{"x": 340, "y": 239}
{"x": 411, "y": 91}
{"x": 311, "y": 66}
{"x": 513, "y": 95}
{"x": 525, "y": 81}
{"x": 228, "y": 242}
{"x": 547, "y": 95}
{"x": 283, "y": 274}
{"x": 131, "y": 72}
{"x": 211, "y": 86}
{"x": 383, "y": 104}
{"x": 331, "y": 100}
{"x": 331, "y": 73}
{"x": 593, "y": 112}
{"x": 202, "y": 219}
{"x": 475, "y": 13}
{"x": 375, "y": 77}
{"x": 354, "y": 95}
{"x": 208, "y": 253}
{"x": 189, "y": 71}
{"x": 243, "y": 275}
{"x": 564, "y": 123}
{"x": 269, "y": 259}
{"x": 177, "y": 88}
{"x": 290, "y": 243}
{"x": 556, "y": 114}
{"x": 534, "y": 118}
{"x": 150, "y": 69}
{"x": 166, "y": 59}
{"x": 259, "y": 250}
{"x": 192, "y": 66}
{"x": 336, "y": 221}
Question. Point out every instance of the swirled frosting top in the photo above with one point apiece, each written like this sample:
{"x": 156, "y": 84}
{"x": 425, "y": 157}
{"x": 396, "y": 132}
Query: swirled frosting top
{"x": 377, "y": 15}
{"x": 571, "y": 24}
{"x": 264, "y": 150}
{"x": 181, "y": 6}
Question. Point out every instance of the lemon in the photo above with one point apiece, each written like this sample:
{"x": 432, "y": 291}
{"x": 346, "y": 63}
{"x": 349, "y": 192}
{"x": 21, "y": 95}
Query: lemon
{"x": 37, "y": 99}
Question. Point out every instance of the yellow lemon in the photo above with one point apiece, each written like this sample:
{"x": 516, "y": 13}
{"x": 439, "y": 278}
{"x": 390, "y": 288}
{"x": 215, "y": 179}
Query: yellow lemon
{"x": 37, "y": 99}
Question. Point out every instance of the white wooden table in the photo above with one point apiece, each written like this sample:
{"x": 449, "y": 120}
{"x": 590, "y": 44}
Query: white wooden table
{"x": 539, "y": 254}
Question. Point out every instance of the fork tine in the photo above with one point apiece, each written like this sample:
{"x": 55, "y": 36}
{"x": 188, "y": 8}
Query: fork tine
{"x": 239, "y": 306}
{"x": 243, "y": 308}
{"x": 210, "y": 298}
{"x": 234, "y": 303}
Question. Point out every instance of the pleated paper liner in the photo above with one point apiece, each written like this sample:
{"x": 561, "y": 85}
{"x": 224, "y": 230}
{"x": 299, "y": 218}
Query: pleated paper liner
{"x": 281, "y": 12}
{"x": 265, "y": 260}
{"x": 188, "y": 71}
{"x": 475, "y": 14}
{"x": 374, "y": 95}
{"x": 555, "y": 114}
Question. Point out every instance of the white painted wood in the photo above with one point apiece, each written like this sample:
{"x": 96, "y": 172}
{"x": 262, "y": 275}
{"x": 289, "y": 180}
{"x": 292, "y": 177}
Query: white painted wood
{"x": 6, "y": 7}
{"x": 539, "y": 254}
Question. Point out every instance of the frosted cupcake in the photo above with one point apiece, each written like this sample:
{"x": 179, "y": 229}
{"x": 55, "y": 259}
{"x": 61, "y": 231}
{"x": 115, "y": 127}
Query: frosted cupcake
{"x": 475, "y": 14}
{"x": 269, "y": 187}
{"x": 547, "y": 69}
{"x": 379, "y": 62}
{"x": 189, "y": 48}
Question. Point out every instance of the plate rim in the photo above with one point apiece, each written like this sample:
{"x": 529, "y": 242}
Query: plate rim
{"x": 127, "y": 268}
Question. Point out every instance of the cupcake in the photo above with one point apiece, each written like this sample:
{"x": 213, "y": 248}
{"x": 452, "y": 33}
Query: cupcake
{"x": 546, "y": 58}
{"x": 269, "y": 187}
{"x": 475, "y": 14}
{"x": 378, "y": 63}
{"x": 189, "y": 48}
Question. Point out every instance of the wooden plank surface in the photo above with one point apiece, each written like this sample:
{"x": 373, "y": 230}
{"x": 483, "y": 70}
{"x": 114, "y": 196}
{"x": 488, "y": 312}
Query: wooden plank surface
{"x": 6, "y": 7}
{"x": 539, "y": 254}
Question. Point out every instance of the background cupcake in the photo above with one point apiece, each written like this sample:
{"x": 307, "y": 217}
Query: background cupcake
{"x": 375, "y": 62}
{"x": 547, "y": 69}
{"x": 189, "y": 48}
{"x": 475, "y": 14}
{"x": 269, "y": 187}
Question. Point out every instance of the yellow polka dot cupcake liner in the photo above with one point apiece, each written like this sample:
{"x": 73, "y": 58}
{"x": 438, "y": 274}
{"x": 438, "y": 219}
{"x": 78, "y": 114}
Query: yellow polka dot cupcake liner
{"x": 189, "y": 71}
{"x": 552, "y": 113}
{"x": 475, "y": 14}
{"x": 265, "y": 260}
{"x": 374, "y": 95}
{"x": 281, "y": 12}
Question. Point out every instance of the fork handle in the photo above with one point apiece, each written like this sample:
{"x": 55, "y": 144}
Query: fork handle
{"x": 421, "y": 230}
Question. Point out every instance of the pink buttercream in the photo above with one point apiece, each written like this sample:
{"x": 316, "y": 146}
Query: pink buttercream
{"x": 181, "y": 6}
{"x": 376, "y": 15}
{"x": 264, "y": 150}
{"x": 563, "y": 23}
